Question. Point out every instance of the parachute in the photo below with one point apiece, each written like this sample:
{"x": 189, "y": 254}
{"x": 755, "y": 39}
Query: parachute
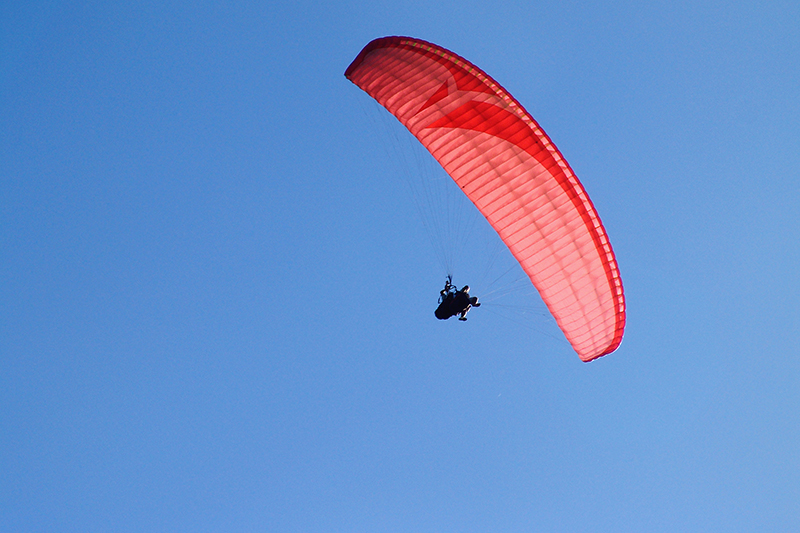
{"x": 509, "y": 168}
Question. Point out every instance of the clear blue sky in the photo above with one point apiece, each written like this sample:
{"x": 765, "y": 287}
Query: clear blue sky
{"x": 216, "y": 296}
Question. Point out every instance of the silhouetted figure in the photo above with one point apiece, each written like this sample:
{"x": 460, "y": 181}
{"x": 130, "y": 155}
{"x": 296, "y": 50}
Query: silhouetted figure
{"x": 453, "y": 302}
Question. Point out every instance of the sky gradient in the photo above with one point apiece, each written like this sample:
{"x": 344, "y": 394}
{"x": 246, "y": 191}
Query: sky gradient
{"x": 217, "y": 295}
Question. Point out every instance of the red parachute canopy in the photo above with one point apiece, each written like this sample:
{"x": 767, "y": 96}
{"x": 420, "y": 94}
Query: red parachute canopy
{"x": 508, "y": 167}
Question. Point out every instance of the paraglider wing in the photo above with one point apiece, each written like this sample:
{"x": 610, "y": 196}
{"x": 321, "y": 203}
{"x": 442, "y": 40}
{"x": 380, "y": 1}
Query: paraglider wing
{"x": 508, "y": 167}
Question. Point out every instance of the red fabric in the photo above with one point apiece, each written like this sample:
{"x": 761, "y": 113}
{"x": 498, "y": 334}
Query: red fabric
{"x": 514, "y": 175}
